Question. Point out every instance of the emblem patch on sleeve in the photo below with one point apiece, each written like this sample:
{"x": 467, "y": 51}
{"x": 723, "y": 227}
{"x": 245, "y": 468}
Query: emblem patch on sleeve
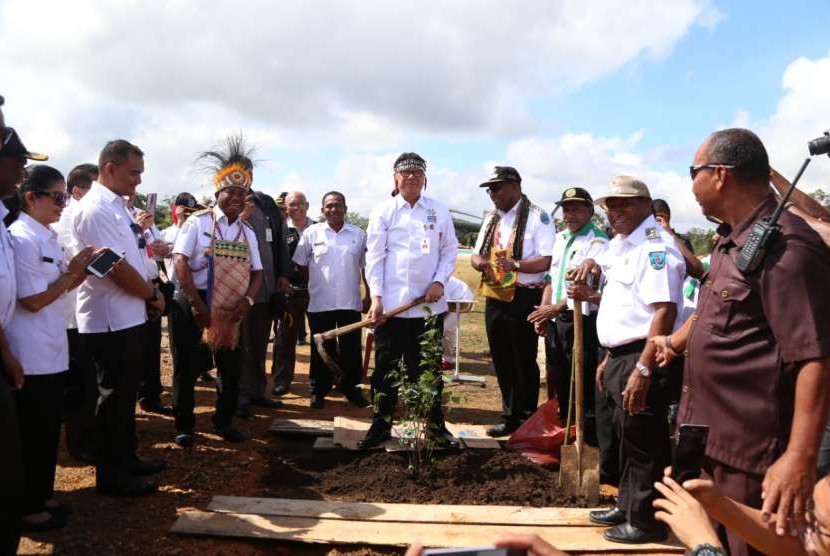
{"x": 544, "y": 218}
{"x": 657, "y": 259}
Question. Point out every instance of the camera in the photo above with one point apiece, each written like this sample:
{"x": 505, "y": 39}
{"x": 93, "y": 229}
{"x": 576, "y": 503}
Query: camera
{"x": 820, "y": 145}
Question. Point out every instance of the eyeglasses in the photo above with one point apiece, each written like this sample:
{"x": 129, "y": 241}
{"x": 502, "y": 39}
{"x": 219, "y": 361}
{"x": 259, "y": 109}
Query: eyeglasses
{"x": 58, "y": 197}
{"x": 495, "y": 188}
{"x": 693, "y": 170}
{"x": 417, "y": 174}
{"x": 142, "y": 242}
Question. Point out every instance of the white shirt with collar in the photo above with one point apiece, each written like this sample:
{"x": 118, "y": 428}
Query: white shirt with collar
{"x": 169, "y": 235}
{"x": 586, "y": 246}
{"x": 195, "y": 237}
{"x": 151, "y": 269}
{"x": 8, "y": 282}
{"x": 38, "y": 340}
{"x": 101, "y": 219}
{"x": 334, "y": 260}
{"x": 538, "y": 237}
{"x": 63, "y": 228}
{"x": 409, "y": 248}
{"x": 640, "y": 269}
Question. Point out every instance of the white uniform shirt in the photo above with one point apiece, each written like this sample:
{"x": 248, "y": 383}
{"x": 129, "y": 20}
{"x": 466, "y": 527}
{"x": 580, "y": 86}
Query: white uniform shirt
{"x": 8, "y": 282}
{"x": 169, "y": 235}
{"x": 456, "y": 290}
{"x": 101, "y": 220}
{"x": 63, "y": 228}
{"x": 334, "y": 260}
{"x": 641, "y": 269}
{"x": 38, "y": 340}
{"x": 538, "y": 237}
{"x": 409, "y": 248}
{"x": 195, "y": 237}
{"x": 151, "y": 269}
{"x": 585, "y": 246}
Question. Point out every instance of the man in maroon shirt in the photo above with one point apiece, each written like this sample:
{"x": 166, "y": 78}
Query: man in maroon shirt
{"x": 758, "y": 364}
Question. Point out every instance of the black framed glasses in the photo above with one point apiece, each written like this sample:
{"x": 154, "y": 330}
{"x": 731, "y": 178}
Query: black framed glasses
{"x": 58, "y": 197}
{"x": 417, "y": 174}
{"x": 693, "y": 170}
{"x": 139, "y": 234}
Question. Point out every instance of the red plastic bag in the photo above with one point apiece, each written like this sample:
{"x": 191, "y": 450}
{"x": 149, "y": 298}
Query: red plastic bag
{"x": 539, "y": 438}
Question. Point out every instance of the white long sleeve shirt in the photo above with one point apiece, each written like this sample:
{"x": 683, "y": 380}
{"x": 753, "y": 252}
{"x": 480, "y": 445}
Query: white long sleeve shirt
{"x": 408, "y": 248}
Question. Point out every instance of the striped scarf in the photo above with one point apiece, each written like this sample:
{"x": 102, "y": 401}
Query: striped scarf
{"x": 517, "y": 233}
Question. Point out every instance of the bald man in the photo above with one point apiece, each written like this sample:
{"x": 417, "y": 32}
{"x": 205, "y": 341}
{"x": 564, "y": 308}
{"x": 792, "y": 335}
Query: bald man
{"x": 285, "y": 342}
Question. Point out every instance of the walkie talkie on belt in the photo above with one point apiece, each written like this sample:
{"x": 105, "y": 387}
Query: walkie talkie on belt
{"x": 763, "y": 232}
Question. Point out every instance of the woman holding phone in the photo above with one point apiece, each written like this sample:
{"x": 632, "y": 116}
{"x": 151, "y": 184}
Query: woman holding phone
{"x": 37, "y": 337}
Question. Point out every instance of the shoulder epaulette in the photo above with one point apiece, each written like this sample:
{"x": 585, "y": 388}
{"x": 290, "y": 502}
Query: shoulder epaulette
{"x": 201, "y": 212}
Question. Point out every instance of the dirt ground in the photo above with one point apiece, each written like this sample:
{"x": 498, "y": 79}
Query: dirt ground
{"x": 102, "y": 525}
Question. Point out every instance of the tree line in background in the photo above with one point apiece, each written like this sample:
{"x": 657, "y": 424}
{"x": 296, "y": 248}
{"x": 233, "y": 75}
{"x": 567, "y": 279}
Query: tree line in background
{"x": 467, "y": 232}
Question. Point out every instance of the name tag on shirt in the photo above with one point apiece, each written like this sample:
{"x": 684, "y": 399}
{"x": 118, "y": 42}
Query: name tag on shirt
{"x": 269, "y": 237}
{"x": 425, "y": 246}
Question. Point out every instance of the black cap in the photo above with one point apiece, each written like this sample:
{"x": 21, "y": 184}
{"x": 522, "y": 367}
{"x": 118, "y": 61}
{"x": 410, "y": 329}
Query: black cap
{"x": 187, "y": 200}
{"x": 659, "y": 205}
{"x": 575, "y": 195}
{"x": 502, "y": 174}
{"x": 12, "y": 146}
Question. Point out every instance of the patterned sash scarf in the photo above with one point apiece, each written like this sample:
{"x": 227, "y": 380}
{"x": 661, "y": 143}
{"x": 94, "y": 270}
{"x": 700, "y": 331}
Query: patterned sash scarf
{"x": 229, "y": 274}
{"x": 504, "y": 286}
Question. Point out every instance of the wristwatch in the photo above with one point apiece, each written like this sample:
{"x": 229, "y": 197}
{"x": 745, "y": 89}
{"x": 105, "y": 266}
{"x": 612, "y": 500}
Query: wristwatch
{"x": 707, "y": 549}
{"x": 644, "y": 371}
{"x": 250, "y": 300}
{"x": 517, "y": 265}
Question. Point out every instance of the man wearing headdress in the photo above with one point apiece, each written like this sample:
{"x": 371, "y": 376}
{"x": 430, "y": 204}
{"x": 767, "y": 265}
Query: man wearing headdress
{"x": 513, "y": 253}
{"x": 411, "y": 251}
{"x": 218, "y": 266}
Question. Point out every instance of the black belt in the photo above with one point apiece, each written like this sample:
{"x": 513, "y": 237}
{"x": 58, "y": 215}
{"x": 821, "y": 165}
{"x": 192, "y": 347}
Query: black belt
{"x": 636, "y": 346}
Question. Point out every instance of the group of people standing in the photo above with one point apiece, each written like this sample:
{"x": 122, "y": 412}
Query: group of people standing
{"x": 751, "y": 362}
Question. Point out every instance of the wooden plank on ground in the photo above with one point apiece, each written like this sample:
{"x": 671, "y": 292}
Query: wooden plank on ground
{"x": 473, "y": 436}
{"x": 348, "y": 430}
{"x": 335, "y": 531}
{"x": 423, "y": 513}
{"x": 302, "y": 427}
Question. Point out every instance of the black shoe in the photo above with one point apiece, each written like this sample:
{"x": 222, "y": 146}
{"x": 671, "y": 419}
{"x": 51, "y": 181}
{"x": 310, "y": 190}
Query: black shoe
{"x": 265, "y": 402}
{"x": 611, "y": 517}
{"x": 140, "y": 467}
{"x": 243, "y": 411}
{"x": 206, "y": 377}
{"x": 280, "y": 390}
{"x": 379, "y": 432}
{"x": 154, "y": 405}
{"x": 185, "y": 439}
{"x": 230, "y": 434}
{"x": 59, "y": 510}
{"x": 444, "y": 439}
{"x": 54, "y": 522}
{"x": 502, "y": 429}
{"x": 628, "y": 534}
{"x": 131, "y": 487}
{"x": 85, "y": 456}
{"x": 355, "y": 397}
{"x": 318, "y": 401}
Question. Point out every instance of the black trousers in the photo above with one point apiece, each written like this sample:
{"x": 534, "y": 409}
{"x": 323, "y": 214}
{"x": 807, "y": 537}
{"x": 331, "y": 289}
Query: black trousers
{"x": 11, "y": 470}
{"x": 150, "y": 386}
{"x": 118, "y": 359}
{"x": 559, "y": 359}
{"x": 399, "y": 338}
{"x": 188, "y": 363}
{"x": 644, "y": 437}
{"x": 83, "y": 385}
{"x": 345, "y": 351}
{"x": 513, "y": 346}
{"x": 253, "y": 337}
{"x": 39, "y": 409}
{"x": 285, "y": 339}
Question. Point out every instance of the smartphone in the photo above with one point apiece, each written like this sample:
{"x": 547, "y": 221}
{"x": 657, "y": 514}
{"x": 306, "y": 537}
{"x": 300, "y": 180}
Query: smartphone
{"x": 487, "y": 551}
{"x": 689, "y": 449}
{"x": 103, "y": 263}
{"x": 152, "y": 199}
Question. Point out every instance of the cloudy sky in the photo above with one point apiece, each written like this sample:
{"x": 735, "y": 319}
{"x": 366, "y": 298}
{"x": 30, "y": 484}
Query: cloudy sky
{"x": 570, "y": 92}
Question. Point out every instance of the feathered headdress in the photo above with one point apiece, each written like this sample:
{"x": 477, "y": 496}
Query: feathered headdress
{"x": 231, "y": 164}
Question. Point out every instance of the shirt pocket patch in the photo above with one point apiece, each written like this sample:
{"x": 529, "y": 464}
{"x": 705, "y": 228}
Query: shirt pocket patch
{"x": 730, "y": 313}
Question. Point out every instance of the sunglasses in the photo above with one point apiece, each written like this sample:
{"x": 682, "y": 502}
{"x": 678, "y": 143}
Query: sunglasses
{"x": 694, "y": 170}
{"x": 142, "y": 242}
{"x": 58, "y": 197}
{"x": 494, "y": 188}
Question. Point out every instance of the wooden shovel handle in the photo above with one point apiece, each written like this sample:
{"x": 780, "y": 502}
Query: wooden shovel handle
{"x": 349, "y": 328}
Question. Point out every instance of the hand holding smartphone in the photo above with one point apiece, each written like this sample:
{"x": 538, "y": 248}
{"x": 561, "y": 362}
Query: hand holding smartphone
{"x": 103, "y": 262}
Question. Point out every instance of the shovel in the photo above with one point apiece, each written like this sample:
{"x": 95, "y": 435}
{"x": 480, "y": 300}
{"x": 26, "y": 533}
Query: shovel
{"x": 321, "y": 337}
{"x": 579, "y": 464}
